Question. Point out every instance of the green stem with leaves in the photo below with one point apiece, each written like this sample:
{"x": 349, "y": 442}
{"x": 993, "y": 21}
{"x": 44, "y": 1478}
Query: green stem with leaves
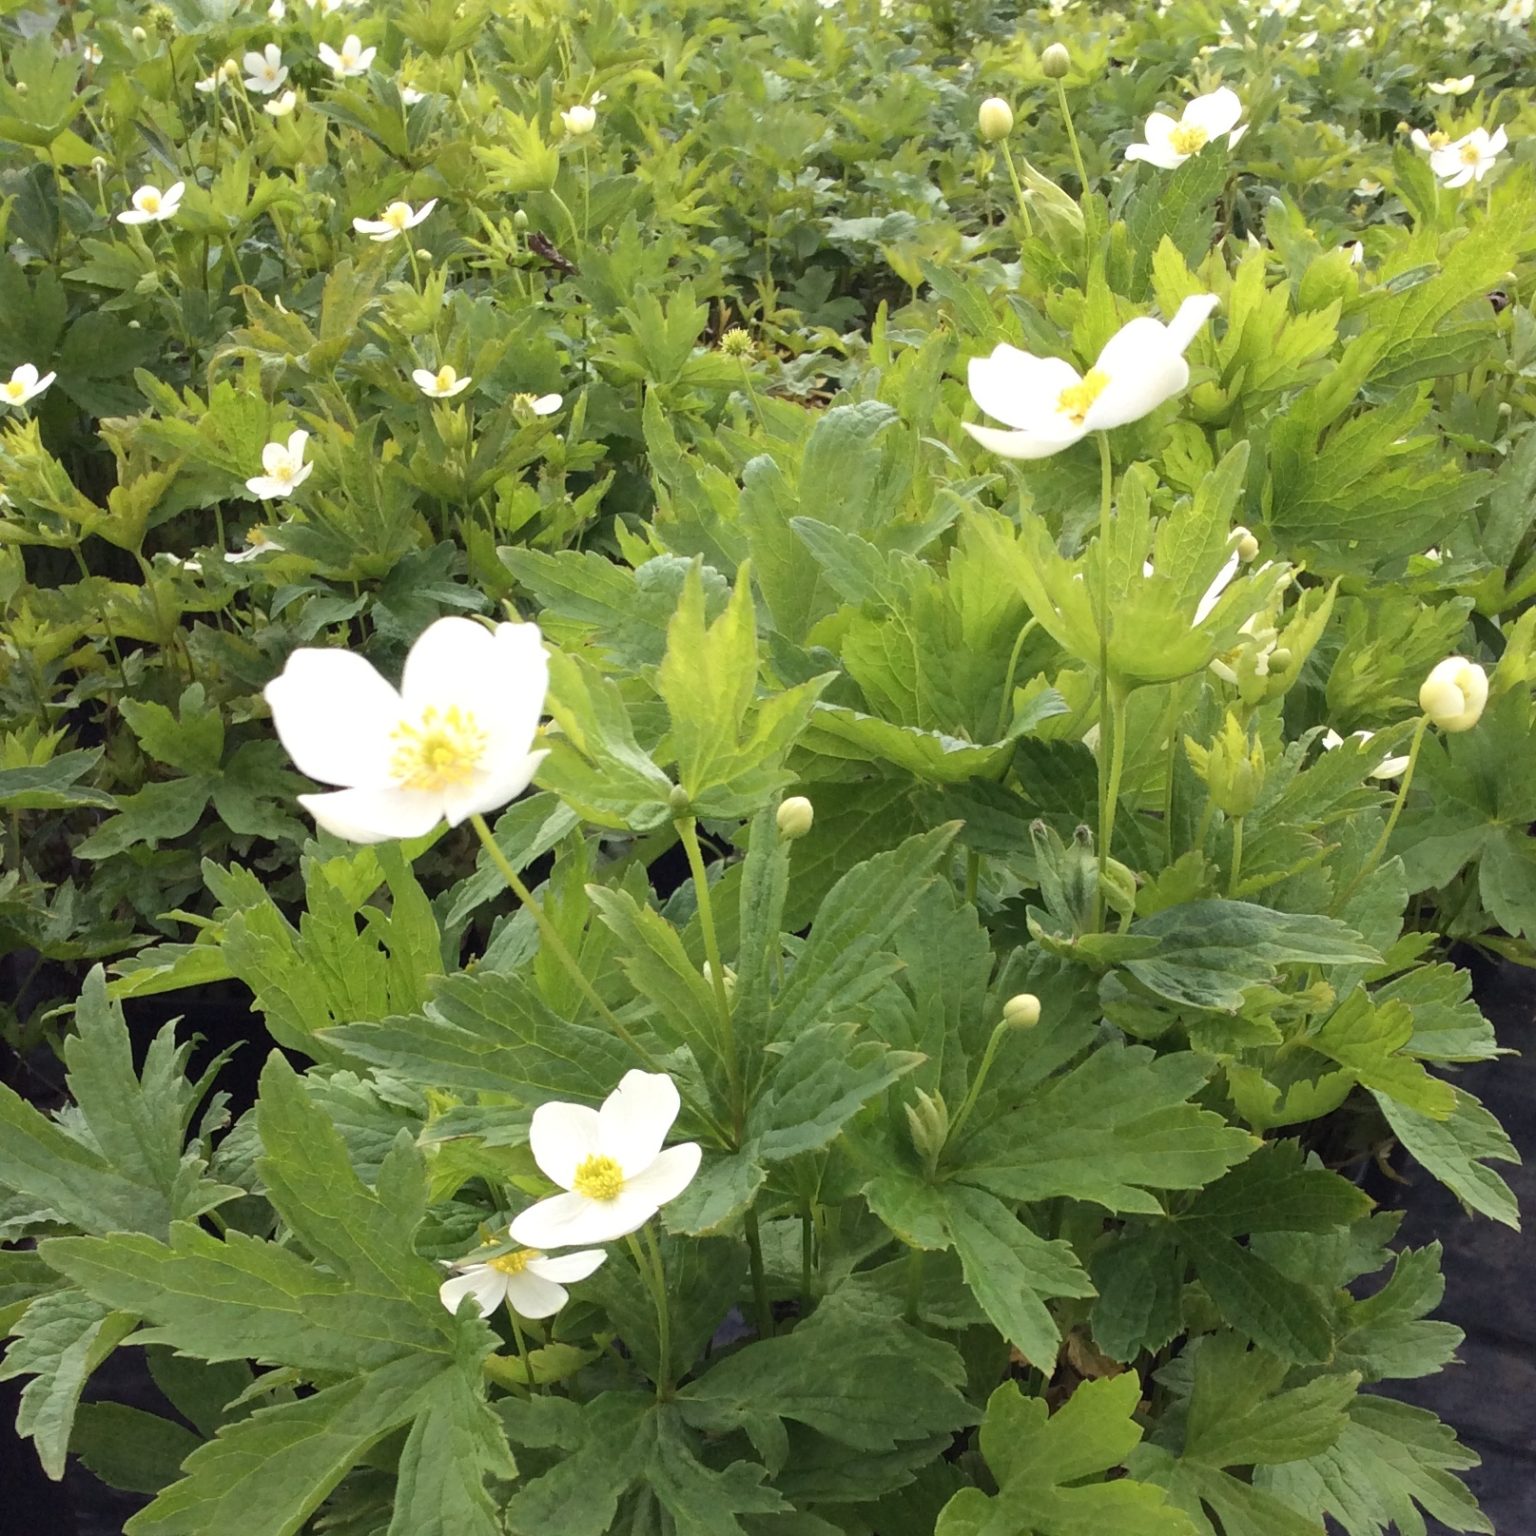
{"x": 759, "y": 1276}
{"x": 1106, "y": 800}
{"x": 688, "y": 831}
{"x": 1018, "y": 190}
{"x": 1368, "y": 868}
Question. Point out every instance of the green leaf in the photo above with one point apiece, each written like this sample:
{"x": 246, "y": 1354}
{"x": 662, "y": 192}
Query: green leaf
{"x": 1370, "y": 1040}
{"x": 1458, "y": 1149}
{"x": 61, "y": 1338}
{"x": 54, "y": 785}
{"x": 1176, "y": 206}
{"x": 1208, "y": 952}
{"x": 191, "y": 740}
{"x": 1140, "y": 1280}
{"x": 130, "y": 1449}
{"x": 1043, "y": 1464}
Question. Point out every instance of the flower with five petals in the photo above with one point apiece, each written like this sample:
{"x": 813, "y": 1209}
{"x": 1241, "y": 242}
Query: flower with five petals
{"x": 152, "y": 206}
{"x": 395, "y": 220}
{"x": 1169, "y": 144}
{"x": 531, "y": 1283}
{"x": 24, "y": 385}
{"x": 284, "y": 466}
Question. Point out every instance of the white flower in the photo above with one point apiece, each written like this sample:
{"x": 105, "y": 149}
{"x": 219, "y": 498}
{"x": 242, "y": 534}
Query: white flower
{"x": 610, "y": 1161}
{"x": 530, "y": 1283}
{"x": 353, "y": 59}
{"x": 1244, "y": 548}
{"x": 1050, "y": 406}
{"x": 1169, "y": 144}
{"x": 410, "y": 95}
{"x": 285, "y": 468}
{"x": 1453, "y": 87}
{"x": 24, "y": 385}
{"x": 91, "y": 54}
{"x": 1366, "y": 187}
{"x": 1356, "y": 252}
{"x": 1454, "y": 694}
{"x": 276, "y": 11}
{"x": 283, "y": 105}
{"x": 527, "y": 407}
{"x": 1469, "y": 158}
{"x": 395, "y": 220}
{"x": 1429, "y": 142}
{"x": 453, "y": 741}
{"x": 1387, "y": 768}
{"x": 440, "y": 385}
{"x": 265, "y": 71}
{"x": 579, "y": 120}
{"x": 152, "y": 206}
{"x": 228, "y": 70}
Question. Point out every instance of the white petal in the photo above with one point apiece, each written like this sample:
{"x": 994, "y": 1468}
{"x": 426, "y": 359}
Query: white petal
{"x": 1164, "y": 156}
{"x": 423, "y": 377}
{"x": 1145, "y": 368}
{"x": 568, "y": 1268}
{"x": 296, "y": 442}
{"x": 561, "y": 1137}
{"x": 530, "y": 1295}
{"x": 1191, "y": 315}
{"x": 668, "y": 1176}
{"x": 373, "y": 815}
{"x": 274, "y": 457}
{"x": 635, "y": 1118}
{"x": 485, "y": 1284}
{"x": 1159, "y": 130}
{"x": 453, "y": 661}
{"x": 1217, "y": 113}
{"x": 546, "y": 405}
{"x": 1027, "y": 445}
{"x": 489, "y": 791}
{"x": 26, "y": 374}
{"x": 521, "y": 682}
{"x": 1017, "y": 388}
{"x": 334, "y": 714}
{"x": 569, "y": 1221}
{"x": 1212, "y": 594}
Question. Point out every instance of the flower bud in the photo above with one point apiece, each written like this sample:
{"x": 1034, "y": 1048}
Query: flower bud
{"x": 995, "y": 119}
{"x": 1247, "y": 545}
{"x": 1022, "y": 1011}
{"x": 1233, "y": 771}
{"x": 1454, "y": 694}
{"x": 520, "y": 220}
{"x": 729, "y": 974}
{"x": 928, "y": 1125}
{"x": 140, "y": 35}
{"x": 1280, "y": 660}
{"x": 795, "y": 817}
{"x": 1056, "y": 62}
{"x": 679, "y": 800}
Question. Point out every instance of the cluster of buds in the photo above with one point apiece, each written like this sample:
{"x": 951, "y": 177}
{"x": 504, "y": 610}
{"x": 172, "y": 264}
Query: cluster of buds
{"x": 1231, "y": 767}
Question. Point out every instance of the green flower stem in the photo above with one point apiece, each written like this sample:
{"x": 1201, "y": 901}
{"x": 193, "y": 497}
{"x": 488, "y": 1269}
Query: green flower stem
{"x": 1237, "y": 856}
{"x": 1368, "y": 868}
{"x": 551, "y": 936}
{"x": 522, "y": 1352}
{"x": 1118, "y": 699}
{"x": 807, "y": 1236}
{"x": 570, "y": 218}
{"x": 1106, "y": 803}
{"x": 688, "y": 831}
{"x": 759, "y": 1276}
{"x": 1018, "y": 190}
{"x": 977, "y": 1083}
{"x": 648, "y": 1263}
{"x": 913, "y": 1312}
{"x": 1005, "y": 709}
{"x": 1077, "y": 153}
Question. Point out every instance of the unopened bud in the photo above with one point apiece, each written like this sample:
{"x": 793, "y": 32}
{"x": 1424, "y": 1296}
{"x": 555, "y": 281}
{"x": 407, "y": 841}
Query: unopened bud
{"x": 1247, "y": 545}
{"x": 1455, "y": 694}
{"x": 995, "y": 119}
{"x": 140, "y": 35}
{"x": 928, "y": 1125}
{"x": 727, "y": 971}
{"x": 1280, "y": 659}
{"x": 1056, "y": 62}
{"x": 795, "y": 818}
{"x": 1022, "y": 1011}
{"x": 519, "y": 220}
{"x": 679, "y": 800}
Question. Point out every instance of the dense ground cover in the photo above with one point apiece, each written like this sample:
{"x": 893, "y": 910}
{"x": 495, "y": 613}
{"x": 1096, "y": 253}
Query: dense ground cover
{"x": 1001, "y": 819}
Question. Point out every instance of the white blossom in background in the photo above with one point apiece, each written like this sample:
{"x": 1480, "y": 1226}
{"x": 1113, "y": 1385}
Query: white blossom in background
{"x": 395, "y": 220}
{"x": 353, "y": 59}
{"x": 531, "y": 1283}
{"x": 1356, "y": 252}
{"x": 1049, "y": 406}
{"x": 265, "y": 72}
{"x": 453, "y": 741}
{"x": 579, "y": 120}
{"x": 152, "y": 206}
{"x": 609, "y": 1162}
{"x": 443, "y": 384}
{"x": 283, "y": 105}
{"x": 284, "y": 468}
{"x": 1454, "y": 694}
{"x": 228, "y": 70}
{"x": 1429, "y": 143}
{"x": 24, "y": 385}
{"x": 1469, "y": 158}
{"x": 1453, "y": 86}
{"x": 1169, "y": 144}
{"x": 529, "y": 407}
{"x": 1387, "y": 768}
{"x": 410, "y": 95}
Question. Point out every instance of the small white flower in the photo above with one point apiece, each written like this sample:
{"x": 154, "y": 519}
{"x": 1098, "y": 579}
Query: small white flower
{"x": 1469, "y": 158}
{"x": 353, "y": 59}
{"x": 1356, "y": 252}
{"x": 579, "y": 120}
{"x": 24, "y": 385}
{"x": 91, "y": 54}
{"x": 441, "y": 385}
{"x": 283, "y": 105}
{"x": 453, "y": 741}
{"x": 530, "y": 1283}
{"x": 610, "y": 1161}
{"x": 228, "y": 70}
{"x": 276, "y": 11}
{"x": 1454, "y": 694}
{"x": 1050, "y": 406}
{"x": 152, "y": 206}
{"x": 285, "y": 468}
{"x": 1169, "y": 144}
{"x": 1366, "y": 187}
{"x": 1453, "y": 86}
{"x": 410, "y": 95}
{"x": 1428, "y": 143}
{"x": 395, "y": 220}
{"x": 265, "y": 71}
{"x": 1387, "y": 768}
{"x": 528, "y": 407}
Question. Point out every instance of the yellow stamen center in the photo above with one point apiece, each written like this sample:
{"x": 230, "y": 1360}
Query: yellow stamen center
{"x": 397, "y": 215}
{"x": 513, "y": 1263}
{"x": 1188, "y": 139}
{"x": 15, "y": 389}
{"x": 1074, "y": 401}
{"x": 283, "y": 472}
{"x": 1470, "y": 154}
{"x": 443, "y": 750}
{"x": 446, "y": 378}
{"x": 1439, "y": 140}
{"x": 599, "y": 1178}
{"x": 150, "y": 202}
